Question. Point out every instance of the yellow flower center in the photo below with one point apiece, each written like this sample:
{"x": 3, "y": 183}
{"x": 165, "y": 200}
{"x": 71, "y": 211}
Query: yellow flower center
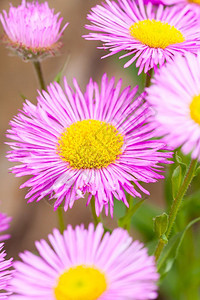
{"x": 80, "y": 283}
{"x": 194, "y": 1}
{"x": 156, "y": 34}
{"x": 195, "y": 109}
{"x": 90, "y": 144}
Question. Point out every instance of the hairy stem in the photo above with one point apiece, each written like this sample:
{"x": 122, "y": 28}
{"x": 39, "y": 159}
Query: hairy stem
{"x": 61, "y": 219}
{"x": 176, "y": 205}
{"x": 40, "y": 77}
{"x": 149, "y": 75}
{"x": 96, "y": 219}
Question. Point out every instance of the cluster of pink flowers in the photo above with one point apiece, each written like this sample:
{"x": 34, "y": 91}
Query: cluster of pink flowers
{"x": 101, "y": 143}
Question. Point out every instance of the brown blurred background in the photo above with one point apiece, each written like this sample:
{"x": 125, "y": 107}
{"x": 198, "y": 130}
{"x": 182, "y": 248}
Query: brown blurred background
{"x": 34, "y": 221}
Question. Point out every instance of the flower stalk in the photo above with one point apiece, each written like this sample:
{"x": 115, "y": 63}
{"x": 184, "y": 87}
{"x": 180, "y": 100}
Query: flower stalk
{"x": 96, "y": 219}
{"x": 61, "y": 219}
{"x": 39, "y": 73}
{"x": 149, "y": 75}
{"x": 176, "y": 205}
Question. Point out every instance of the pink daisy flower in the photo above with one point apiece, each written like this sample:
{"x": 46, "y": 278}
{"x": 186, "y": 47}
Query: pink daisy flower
{"x": 86, "y": 264}
{"x": 32, "y": 29}
{"x": 175, "y": 96}
{"x": 4, "y": 225}
{"x": 151, "y": 35}
{"x": 5, "y": 274}
{"x": 97, "y": 143}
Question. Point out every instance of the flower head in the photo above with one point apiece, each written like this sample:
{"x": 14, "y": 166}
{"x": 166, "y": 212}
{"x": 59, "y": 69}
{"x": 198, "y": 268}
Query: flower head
{"x": 97, "y": 143}
{"x": 85, "y": 264}
{"x": 5, "y": 274}
{"x": 175, "y": 96}
{"x": 32, "y": 29}
{"x": 148, "y": 34}
{"x": 4, "y": 225}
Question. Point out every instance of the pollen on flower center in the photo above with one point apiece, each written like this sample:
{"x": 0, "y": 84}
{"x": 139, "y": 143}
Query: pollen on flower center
{"x": 90, "y": 144}
{"x": 195, "y": 109}
{"x": 80, "y": 283}
{"x": 156, "y": 34}
{"x": 194, "y": 1}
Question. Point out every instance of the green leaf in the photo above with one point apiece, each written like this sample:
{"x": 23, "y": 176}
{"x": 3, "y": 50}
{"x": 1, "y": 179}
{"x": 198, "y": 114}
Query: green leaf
{"x": 179, "y": 162}
{"x": 142, "y": 220}
{"x": 164, "y": 238}
{"x": 168, "y": 186}
{"x": 171, "y": 251}
{"x": 176, "y": 180}
{"x": 197, "y": 172}
{"x": 23, "y": 97}
{"x": 184, "y": 232}
{"x": 161, "y": 224}
{"x": 119, "y": 209}
{"x": 178, "y": 159}
{"x": 60, "y": 74}
{"x": 125, "y": 220}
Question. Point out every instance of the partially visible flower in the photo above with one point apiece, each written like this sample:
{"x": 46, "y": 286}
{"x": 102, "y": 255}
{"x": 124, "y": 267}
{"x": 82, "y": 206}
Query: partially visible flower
{"x": 193, "y": 4}
{"x": 149, "y": 34}
{"x": 100, "y": 142}
{"x": 4, "y": 225}
{"x": 175, "y": 97}
{"x": 86, "y": 264}
{"x": 5, "y": 274}
{"x": 155, "y": 2}
{"x": 32, "y": 29}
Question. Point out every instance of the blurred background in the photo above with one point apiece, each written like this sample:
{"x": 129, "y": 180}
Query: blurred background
{"x": 34, "y": 221}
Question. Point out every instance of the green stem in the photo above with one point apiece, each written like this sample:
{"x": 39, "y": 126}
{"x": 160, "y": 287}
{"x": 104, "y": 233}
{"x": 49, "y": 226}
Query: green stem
{"x": 96, "y": 219}
{"x": 61, "y": 219}
{"x": 128, "y": 214}
{"x": 38, "y": 70}
{"x": 176, "y": 205}
{"x": 149, "y": 75}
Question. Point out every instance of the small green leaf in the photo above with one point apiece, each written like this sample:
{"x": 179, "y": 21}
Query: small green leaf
{"x": 171, "y": 251}
{"x": 161, "y": 224}
{"x": 197, "y": 172}
{"x": 23, "y": 97}
{"x": 164, "y": 238}
{"x": 178, "y": 158}
{"x": 176, "y": 180}
{"x": 60, "y": 74}
{"x": 179, "y": 161}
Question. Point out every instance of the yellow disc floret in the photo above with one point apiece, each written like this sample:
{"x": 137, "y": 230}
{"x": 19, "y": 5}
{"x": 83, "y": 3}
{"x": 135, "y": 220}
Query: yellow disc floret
{"x": 195, "y": 109}
{"x": 194, "y": 1}
{"x": 90, "y": 144}
{"x": 80, "y": 283}
{"x": 156, "y": 34}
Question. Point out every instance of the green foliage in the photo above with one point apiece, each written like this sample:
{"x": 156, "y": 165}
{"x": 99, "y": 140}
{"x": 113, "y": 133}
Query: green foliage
{"x": 126, "y": 219}
{"x": 23, "y": 97}
{"x": 160, "y": 226}
{"x": 174, "y": 176}
{"x": 177, "y": 179}
{"x": 179, "y": 263}
{"x": 132, "y": 71}
{"x": 171, "y": 251}
{"x": 60, "y": 74}
{"x": 142, "y": 219}
{"x": 197, "y": 171}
